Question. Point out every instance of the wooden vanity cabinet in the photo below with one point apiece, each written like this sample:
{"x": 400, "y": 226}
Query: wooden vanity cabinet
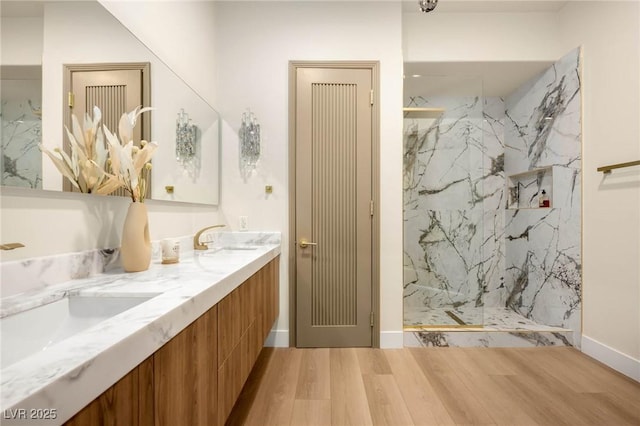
{"x": 196, "y": 377}
{"x": 185, "y": 375}
{"x": 245, "y": 318}
{"x": 128, "y": 402}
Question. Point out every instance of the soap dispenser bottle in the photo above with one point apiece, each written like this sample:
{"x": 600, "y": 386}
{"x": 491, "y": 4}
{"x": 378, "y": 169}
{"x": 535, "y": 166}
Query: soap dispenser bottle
{"x": 543, "y": 200}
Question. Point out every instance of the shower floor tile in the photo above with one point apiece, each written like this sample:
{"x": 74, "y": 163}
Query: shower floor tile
{"x": 489, "y": 319}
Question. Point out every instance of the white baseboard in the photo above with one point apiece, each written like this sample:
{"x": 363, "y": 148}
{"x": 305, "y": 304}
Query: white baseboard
{"x": 391, "y": 339}
{"x": 613, "y": 358}
{"x": 277, "y": 339}
{"x": 388, "y": 339}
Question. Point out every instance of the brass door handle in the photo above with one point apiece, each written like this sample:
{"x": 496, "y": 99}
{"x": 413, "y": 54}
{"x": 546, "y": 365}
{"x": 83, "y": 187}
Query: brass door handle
{"x": 304, "y": 243}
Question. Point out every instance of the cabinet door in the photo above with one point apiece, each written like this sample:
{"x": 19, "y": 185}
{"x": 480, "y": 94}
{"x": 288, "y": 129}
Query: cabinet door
{"x": 128, "y": 402}
{"x": 186, "y": 375}
{"x": 230, "y": 324}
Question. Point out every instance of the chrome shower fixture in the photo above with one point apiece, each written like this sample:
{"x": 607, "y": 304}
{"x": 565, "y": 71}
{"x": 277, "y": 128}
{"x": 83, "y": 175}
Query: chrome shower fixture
{"x": 427, "y": 5}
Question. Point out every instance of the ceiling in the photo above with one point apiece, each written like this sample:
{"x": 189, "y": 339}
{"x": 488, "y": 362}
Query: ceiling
{"x": 488, "y": 78}
{"x": 479, "y": 78}
{"x": 487, "y": 6}
{"x": 468, "y": 78}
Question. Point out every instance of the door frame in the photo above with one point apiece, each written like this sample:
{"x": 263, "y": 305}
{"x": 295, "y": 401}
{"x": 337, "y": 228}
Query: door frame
{"x": 69, "y": 69}
{"x": 374, "y": 67}
{"x": 67, "y": 75}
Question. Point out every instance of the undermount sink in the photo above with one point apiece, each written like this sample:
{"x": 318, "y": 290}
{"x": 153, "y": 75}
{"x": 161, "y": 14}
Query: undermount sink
{"x": 34, "y": 330}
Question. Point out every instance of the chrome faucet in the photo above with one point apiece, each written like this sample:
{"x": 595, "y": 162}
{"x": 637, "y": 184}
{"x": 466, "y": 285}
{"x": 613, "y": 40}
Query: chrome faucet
{"x": 197, "y": 245}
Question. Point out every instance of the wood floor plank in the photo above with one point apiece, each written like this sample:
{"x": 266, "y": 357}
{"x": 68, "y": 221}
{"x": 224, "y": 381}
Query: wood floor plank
{"x": 349, "y": 405}
{"x": 314, "y": 380}
{"x": 550, "y": 401}
{"x": 385, "y": 400}
{"x": 372, "y": 361}
{"x": 489, "y": 360}
{"x": 501, "y": 405}
{"x": 463, "y": 406}
{"x": 601, "y": 378}
{"x": 570, "y": 376}
{"x": 472, "y": 386}
{"x": 274, "y": 402}
{"x": 308, "y": 412}
{"x": 420, "y": 397}
{"x": 251, "y": 388}
{"x": 552, "y": 382}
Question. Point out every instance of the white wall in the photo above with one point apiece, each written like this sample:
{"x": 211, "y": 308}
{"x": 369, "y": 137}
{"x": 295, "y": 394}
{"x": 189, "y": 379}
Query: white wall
{"x": 180, "y": 33}
{"x": 484, "y": 37}
{"x": 256, "y": 41}
{"x": 610, "y": 36}
{"x": 21, "y": 41}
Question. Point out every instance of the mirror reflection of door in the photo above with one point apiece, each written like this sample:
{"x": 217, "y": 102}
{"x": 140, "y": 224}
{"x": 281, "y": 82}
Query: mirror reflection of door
{"x": 333, "y": 125}
{"x": 115, "y": 88}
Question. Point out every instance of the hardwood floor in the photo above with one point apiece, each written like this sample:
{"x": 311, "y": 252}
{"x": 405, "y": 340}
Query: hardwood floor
{"x": 435, "y": 386}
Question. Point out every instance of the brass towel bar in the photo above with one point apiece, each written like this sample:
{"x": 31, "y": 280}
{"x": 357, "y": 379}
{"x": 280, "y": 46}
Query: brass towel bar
{"x": 607, "y": 169}
{"x": 10, "y": 246}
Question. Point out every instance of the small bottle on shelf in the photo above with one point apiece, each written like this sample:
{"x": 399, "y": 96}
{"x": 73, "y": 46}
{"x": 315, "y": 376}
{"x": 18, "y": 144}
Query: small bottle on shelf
{"x": 543, "y": 199}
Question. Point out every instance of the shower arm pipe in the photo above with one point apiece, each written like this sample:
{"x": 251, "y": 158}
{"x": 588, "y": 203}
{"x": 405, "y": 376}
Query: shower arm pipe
{"x": 607, "y": 169}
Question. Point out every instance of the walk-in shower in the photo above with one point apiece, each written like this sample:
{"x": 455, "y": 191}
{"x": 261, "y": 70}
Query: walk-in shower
{"x": 476, "y": 260}
{"x": 444, "y": 172}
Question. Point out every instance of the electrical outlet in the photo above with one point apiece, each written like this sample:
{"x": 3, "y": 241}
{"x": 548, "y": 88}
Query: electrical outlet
{"x": 244, "y": 223}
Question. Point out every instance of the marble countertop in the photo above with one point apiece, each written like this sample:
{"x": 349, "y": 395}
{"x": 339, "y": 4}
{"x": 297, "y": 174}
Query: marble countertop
{"x": 70, "y": 374}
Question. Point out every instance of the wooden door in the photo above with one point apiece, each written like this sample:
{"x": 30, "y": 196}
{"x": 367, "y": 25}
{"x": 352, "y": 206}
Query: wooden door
{"x": 333, "y": 220}
{"x": 115, "y": 88}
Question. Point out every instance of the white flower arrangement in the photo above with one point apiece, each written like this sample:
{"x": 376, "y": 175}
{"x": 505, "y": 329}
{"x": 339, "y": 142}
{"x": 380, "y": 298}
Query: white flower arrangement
{"x": 88, "y": 166}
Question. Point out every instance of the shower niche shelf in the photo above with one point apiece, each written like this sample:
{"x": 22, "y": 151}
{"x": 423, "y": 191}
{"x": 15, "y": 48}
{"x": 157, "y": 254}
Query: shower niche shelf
{"x": 523, "y": 189}
{"x": 414, "y": 112}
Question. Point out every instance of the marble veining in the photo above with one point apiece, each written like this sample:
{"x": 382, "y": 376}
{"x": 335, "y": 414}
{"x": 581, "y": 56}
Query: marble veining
{"x": 543, "y": 276}
{"x": 487, "y": 339}
{"x": 73, "y": 372}
{"x": 468, "y": 246}
{"x": 21, "y": 133}
{"x": 39, "y": 273}
{"x": 453, "y": 204}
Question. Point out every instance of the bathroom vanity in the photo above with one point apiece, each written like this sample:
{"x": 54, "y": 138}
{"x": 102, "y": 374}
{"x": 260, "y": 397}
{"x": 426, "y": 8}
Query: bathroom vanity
{"x": 181, "y": 356}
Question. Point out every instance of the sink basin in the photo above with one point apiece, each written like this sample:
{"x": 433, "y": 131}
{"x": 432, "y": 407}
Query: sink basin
{"x": 34, "y": 330}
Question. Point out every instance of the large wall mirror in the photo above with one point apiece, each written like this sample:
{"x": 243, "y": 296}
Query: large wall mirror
{"x": 38, "y": 39}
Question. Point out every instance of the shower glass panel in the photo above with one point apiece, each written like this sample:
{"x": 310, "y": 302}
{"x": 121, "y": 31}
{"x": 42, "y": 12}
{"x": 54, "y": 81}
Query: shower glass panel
{"x": 444, "y": 171}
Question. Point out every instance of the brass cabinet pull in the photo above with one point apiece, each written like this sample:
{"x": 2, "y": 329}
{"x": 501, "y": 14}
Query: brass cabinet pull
{"x": 304, "y": 243}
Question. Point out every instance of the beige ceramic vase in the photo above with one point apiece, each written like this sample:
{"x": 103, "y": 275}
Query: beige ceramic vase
{"x": 135, "y": 249}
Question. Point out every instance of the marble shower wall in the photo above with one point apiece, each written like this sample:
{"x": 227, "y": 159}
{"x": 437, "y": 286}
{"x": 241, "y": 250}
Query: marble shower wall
{"x": 543, "y": 263}
{"x": 462, "y": 247}
{"x": 21, "y": 133}
{"x": 454, "y": 204}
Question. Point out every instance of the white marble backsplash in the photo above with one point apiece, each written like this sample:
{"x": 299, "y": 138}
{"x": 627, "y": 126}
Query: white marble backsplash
{"x": 38, "y": 273}
{"x": 35, "y": 274}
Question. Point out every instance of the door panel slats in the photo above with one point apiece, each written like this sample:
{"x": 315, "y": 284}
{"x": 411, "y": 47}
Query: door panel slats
{"x": 111, "y": 100}
{"x": 334, "y": 138}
